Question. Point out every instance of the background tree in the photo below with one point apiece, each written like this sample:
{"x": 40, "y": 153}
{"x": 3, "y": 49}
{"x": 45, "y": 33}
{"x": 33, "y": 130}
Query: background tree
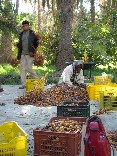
{"x": 65, "y": 44}
{"x": 65, "y": 36}
{"x": 92, "y": 11}
{"x": 8, "y": 24}
{"x": 17, "y": 6}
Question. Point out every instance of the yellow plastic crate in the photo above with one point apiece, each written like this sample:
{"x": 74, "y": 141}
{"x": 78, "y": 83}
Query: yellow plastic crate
{"x": 13, "y": 140}
{"x": 31, "y": 83}
{"x": 94, "y": 90}
{"x": 102, "y": 80}
{"x": 108, "y": 100}
{"x": 112, "y": 84}
{"x": 35, "y": 83}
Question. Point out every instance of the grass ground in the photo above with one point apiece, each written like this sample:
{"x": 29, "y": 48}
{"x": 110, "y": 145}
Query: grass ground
{"x": 10, "y": 75}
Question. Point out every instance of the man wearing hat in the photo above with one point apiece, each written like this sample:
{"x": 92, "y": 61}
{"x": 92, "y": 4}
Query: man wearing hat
{"x": 73, "y": 74}
{"x": 28, "y": 42}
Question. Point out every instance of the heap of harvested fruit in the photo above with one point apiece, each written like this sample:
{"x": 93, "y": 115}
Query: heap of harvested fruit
{"x": 39, "y": 60}
{"x": 64, "y": 125}
{"x": 101, "y": 111}
{"x": 54, "y": 96}
{"x": 112, "y": 137}
{"x": 75, "y": 104}
{"x": 14, "y": 62}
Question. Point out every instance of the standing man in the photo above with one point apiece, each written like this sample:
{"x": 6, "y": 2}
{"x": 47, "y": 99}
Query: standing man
{"x": 28, "y": 42}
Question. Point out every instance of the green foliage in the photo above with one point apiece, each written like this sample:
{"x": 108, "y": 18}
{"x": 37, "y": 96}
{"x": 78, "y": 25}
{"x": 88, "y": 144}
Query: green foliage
{"x": 7, "y": 69}
{"x": 50, "y": 45}
{"x": 7, "y": 18}
{"x": 98, "y": 39}
{"x": 11, "y": 76}
{"x": 50, "y": 40}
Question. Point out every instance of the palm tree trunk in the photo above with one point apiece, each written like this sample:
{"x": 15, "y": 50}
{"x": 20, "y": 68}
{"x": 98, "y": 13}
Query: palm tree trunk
{"x": 65, "y": 44}
{"x": 17, "y": 6}
{"x": 92, "y": 11}
{"x": 109, "y": 4}
{"x": 114, "y": 4}
{"x": 39, "y": 16}
{"x": 6, "y": 48}
{"x": 102, "y": 2}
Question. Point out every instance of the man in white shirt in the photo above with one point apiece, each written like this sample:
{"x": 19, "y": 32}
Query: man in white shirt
{"x": 73, "y": 74}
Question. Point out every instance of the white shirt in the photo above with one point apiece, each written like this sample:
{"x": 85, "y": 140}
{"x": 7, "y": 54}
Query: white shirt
{"x": 67, "y": 74}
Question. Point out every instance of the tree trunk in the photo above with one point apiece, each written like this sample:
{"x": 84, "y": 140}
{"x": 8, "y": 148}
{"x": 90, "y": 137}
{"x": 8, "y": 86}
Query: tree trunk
{"x": 109, "y": 3}
{"x": 17, "y": 6}
{"x": 103, "y": 2}
{"x": 39, "y": 16}
{"x": 6, "y": 48}
{"x": 114, "y": 4}
{"x": 54, "y": 10}
{"x": 65, "y": 44}
{"x": 92, "y": 11}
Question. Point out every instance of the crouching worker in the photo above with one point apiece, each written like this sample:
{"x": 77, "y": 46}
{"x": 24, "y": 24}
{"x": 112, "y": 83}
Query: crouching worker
{"x": 73, "y": 74}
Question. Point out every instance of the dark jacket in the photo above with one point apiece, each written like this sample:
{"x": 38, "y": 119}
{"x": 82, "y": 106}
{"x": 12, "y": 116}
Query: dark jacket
{"x": 33, "y": 42}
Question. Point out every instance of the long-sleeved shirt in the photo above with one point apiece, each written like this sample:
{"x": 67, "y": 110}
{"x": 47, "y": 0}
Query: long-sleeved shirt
{"x": 68, "y": 73}
{"x": 31, "y": 43}
{"x": 25, "y": 37}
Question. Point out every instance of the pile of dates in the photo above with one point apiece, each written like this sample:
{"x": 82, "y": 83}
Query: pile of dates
{"x": 112, "y": 137}
{"x": 75, "y": 104}
{"x": 64, "y": 125}
{"x": 54, "y": 96}
{"x": 14, "y": 62}
{"x": 39, "y": 60}
{"x": 101, "y": 111}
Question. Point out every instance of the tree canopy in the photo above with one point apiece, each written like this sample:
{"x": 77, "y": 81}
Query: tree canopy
{"x": 67, "y": 32}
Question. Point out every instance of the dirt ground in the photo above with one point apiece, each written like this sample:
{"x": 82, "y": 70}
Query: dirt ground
{"x": 30, "y": 117}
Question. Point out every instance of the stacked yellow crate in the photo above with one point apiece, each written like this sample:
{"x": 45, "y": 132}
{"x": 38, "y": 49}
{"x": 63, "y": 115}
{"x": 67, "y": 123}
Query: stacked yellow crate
{"x": 103, "y": 90}
{"x": 100, "y": 84}
{"x": 108, "y": 99}
{"x": 101, "y": 80}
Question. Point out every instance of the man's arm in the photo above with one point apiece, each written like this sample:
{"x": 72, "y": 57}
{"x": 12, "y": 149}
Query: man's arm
{"x": 18, "y": 45}
{"x": 67, "y": 75}
{"x": 80, "y": 77}
{"x": 37, "y": 40}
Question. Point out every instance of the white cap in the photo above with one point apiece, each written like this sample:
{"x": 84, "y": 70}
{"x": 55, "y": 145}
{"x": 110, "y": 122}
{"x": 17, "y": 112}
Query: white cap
{"x": 77, "y": 62}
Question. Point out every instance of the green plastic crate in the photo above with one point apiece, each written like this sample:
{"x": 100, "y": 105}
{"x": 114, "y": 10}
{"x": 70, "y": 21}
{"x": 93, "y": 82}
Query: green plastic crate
{"x": 67, "y": 109}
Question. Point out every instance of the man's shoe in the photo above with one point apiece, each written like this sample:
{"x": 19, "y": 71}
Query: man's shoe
{"x": 22, "y": 87}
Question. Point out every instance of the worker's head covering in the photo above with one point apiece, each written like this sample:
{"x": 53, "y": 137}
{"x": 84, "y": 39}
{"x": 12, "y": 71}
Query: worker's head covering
{"x": 77, "y": 62}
